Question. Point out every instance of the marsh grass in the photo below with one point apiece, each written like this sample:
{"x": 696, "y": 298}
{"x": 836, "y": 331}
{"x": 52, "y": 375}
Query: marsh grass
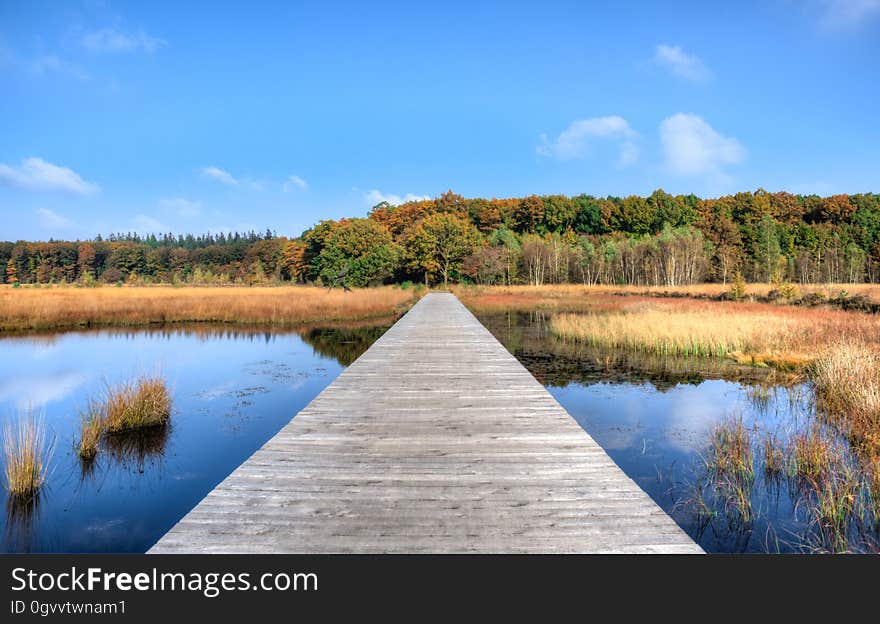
{"x": 144, "y": 402}
{"x": 730, "y": 466}
{"x": 757, "y": 334}
{"x": 125, "y": 411}
{"x": 285, "y": 306}
{"x": 846, "y": 378}
{"x": 28, "y": 454}
{"x": 775, "y": 461}
{"x": 835, "y": 509}
{"x": 813, "y": 455}
{"x": 564, "y": 295}
{"x": 92, "y": 429}
{"x": 753, "y": 333}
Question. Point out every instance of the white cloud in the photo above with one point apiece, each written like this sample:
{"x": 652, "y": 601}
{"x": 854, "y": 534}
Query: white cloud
{"x": 575, "y": 140}
{"x": 691, "y": 146}
{"x": 220, "y": 175}
{"x": 683, "y": 65}
{"x": 848, "y": 13}
{"x": 376, "y": 196}
{"x": 149, "y": 225}
{"x": 35, "y": 174}
{"x": 183, "y": 207}
{"x": 293, "y": 182}
{"x": 51, "y": 220}
{"x": 115, "y": 40}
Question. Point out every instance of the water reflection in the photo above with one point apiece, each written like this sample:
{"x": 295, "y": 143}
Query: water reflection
{"x": 345, "y": 345}
{"x": 233, "y": 389}
{"x": 22, "y": 516}
{"x": 132, "y": 449}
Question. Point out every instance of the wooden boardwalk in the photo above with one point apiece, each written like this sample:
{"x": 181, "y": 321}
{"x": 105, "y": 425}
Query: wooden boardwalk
{"x": 435, "y": 440}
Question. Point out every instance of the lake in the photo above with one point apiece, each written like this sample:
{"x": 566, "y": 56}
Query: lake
{"x": 232, "y": 390}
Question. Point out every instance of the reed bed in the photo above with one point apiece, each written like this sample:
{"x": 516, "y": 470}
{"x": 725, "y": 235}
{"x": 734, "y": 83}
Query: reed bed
{"x": 846, "y": 378}
{"x": 829, "y": 485}
{"x": 570, "y": 295}
{"x": 23, "y": 309}
{"x": 27, "y": 453}
{"x": 753, "y": 333}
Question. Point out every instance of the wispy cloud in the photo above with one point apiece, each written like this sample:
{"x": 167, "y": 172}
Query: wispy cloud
{"x": 576, "y": 139}
{"x": 224, "y": 177}
{"x": 52, "y": 64}
{"x": 221, "y": 175}
{"x": 114, "y": 40}
{"x": 843, "y": 14}
{"x": 51, "y": 220}
{"x": 149, "y": 225}
{"x": 681, "y": 64}
{"x": 295, "y": 182}
{"x": 183, "y": 207}
{"x": 375, "y": 196}
{"x": 35, "y": 174}
{"x": 693, "y": 147}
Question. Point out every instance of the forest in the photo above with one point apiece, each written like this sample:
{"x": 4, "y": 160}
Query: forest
{"x": 661, "y": 239}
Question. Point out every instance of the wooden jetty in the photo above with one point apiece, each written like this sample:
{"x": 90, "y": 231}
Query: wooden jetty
{"x": 436, "y": 440}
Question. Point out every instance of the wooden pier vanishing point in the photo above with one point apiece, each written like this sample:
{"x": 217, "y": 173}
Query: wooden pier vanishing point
{"x": 436, "y": 440}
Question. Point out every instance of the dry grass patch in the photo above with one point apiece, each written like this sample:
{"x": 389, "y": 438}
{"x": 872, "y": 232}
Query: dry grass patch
{"x": 25, "y": 309}
{"x": 574, "y": 296}
{"x": 752, "y": 333}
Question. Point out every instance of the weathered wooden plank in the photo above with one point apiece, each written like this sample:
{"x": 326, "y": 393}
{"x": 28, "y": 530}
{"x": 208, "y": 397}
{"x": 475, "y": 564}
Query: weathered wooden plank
{"x": 435, "y": 440}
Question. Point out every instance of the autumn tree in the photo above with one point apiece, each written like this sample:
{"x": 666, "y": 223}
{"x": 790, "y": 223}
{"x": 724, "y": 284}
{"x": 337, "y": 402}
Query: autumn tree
{"x": 529, "y": 212}
{"x": 11, "y": 272}
{"x": 362, "y": 249}
{"x": 487, "y": 265}
{"x": 292, "y": 263}
{"x": 439, "y": 243}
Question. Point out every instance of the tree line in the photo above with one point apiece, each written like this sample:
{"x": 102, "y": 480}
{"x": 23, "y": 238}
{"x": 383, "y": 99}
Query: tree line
{"x": 661, "y": 239}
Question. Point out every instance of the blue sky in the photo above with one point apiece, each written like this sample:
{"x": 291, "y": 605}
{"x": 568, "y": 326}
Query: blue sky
{"x": 190, "y": 117}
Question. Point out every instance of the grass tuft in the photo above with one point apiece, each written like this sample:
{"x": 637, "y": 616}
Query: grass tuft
{"x": 27, "y": 454}
{"x": 145, "y": 402}
{"x": 91, "y": 431}
{"x": 130, "y": 407}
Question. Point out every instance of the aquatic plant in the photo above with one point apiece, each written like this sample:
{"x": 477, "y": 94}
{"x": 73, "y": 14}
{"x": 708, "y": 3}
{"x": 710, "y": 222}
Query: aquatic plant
{"x": 730, "y": 466}
{"x": 144, "y": 402}
{"x": 92, "y": 428}
{"x": 28, "y": 454}
{"x": 774, "y": 456}
{"x": 835, "y": 509}
{"x": 125, "y": 409}
{"x": 812, "y": 454}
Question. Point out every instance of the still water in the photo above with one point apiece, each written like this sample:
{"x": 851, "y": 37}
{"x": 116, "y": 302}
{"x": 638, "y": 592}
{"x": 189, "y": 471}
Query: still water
{"x": 232, "y": 390}
{"x": 655, "y": 417}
